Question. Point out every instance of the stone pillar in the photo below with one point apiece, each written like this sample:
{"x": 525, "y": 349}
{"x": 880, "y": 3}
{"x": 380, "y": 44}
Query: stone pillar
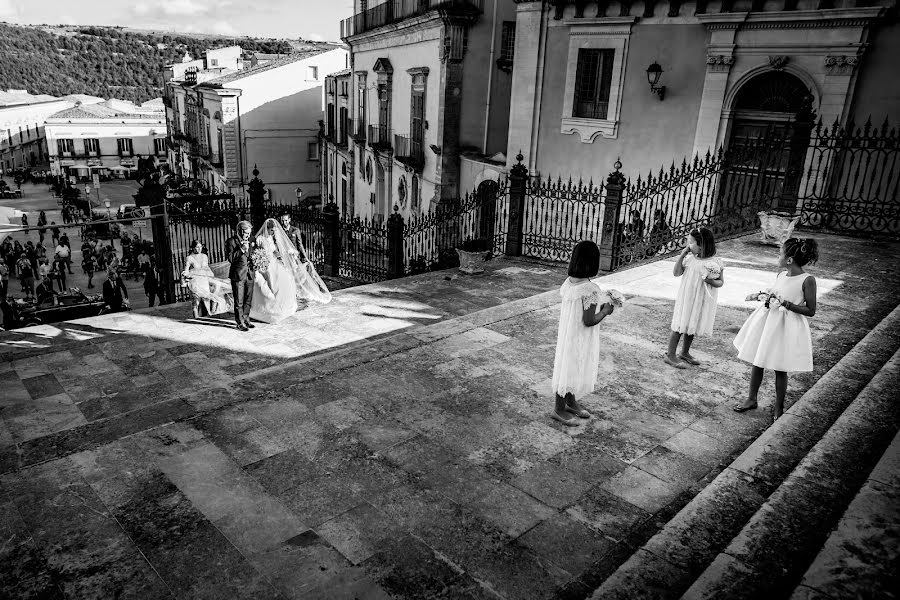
{"x": 395, "y": 244}
{"x": 332, "y": 240}
{"x": 612, "y": 207}
{"x": 257, "y": 192}
{"x": 518, "y": 178}
{"x": 527, "y": 79}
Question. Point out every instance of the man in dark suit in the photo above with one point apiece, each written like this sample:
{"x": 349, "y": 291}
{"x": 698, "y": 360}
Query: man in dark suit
{"x": 114, "y": 293}
{"x": 238, "y": 249}
{"x": 294, "y": 235}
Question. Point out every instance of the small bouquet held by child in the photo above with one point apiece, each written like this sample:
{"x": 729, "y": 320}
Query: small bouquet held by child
{"x": 613, "y": 297}
{"x": 769, "y": 298}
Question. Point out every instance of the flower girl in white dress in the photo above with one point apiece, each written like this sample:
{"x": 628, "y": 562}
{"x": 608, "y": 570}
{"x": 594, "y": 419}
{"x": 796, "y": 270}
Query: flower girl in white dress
{"x": 698, "y": 294}
{"x": 776, "y": 336}
{"x": 578, "y": 342}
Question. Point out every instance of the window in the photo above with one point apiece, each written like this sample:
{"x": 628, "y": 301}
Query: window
{"x": 65, "y": 147}
{"x": 126, "y": 147}
{"x": 361, "y": 100}
{"x": 508, "y": 41}
{"x": 344, "y": 88}
{"x": 219, "y": 146}
{"x": 595, "y": 78}
{"x": 312, "y": 73}
{"x": 159, "y": 145}
{"x": 592, "y": 83}
{"x": 312, "y": 151}
{"x": 214, "y": 62}
{"x": 92, "y": 146}
{"x": 417, "y": 109}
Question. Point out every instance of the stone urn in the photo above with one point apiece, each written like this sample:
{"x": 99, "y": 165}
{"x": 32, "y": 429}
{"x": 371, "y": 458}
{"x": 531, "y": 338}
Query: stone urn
{"x": 776, "y": 227}
{"x": 471, "y": 262}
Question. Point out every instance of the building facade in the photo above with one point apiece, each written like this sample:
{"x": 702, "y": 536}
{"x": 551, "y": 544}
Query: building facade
{"x": 22, "y": 139}
{"x": 107, "y": 138}
{"x": 427, "y": 104}
{"x": 223, "y": 123}
{"x": 728, "y": 71}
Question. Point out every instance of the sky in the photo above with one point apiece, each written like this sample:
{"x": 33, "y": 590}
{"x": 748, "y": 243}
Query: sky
{"x": 309, "y": 19}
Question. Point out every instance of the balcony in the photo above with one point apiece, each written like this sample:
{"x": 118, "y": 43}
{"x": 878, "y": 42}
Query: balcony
{"x": 379, "y": 137}
{"x": 357, "y": 130}
{"x": 409, "y": 151}
{"x": 394, "y": 11}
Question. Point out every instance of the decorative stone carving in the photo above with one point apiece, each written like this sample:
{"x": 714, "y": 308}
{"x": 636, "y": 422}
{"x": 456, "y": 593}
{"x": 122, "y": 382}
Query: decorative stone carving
{"x": 778, "y": 62}
{"x": 840, "y": 65}
{"x": 719, "y": 63}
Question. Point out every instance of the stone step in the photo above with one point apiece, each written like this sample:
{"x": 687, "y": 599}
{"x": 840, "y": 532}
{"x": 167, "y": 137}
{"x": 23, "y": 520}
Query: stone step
{"x": 670, "y": 562}
{"x": 860, "y": 557}
{"x": 769, "y": 556}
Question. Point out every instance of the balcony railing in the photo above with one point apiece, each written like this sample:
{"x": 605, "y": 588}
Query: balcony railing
{"x": 357, "y": 129}
{"x": 409, "y": 151}
{"x": 394, "y": 11}
{"x": 379, "y": 136}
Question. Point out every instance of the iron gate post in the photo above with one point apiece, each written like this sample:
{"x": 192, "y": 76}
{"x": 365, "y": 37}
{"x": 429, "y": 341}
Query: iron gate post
{"x": 612, "y": 208}
{"x": 256, "y": 189}
{"x": 518, "y": 177}
{"x": 332, "y": 241}
{"x": 152, "y": 195}
{"x": 395, "y": 244}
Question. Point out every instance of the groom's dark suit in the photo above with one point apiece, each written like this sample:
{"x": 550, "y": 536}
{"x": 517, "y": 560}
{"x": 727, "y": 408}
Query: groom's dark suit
{"x": 241, "y": 275}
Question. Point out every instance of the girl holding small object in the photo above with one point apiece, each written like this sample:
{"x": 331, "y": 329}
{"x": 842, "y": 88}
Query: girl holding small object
{"x": 776, "y": 336}
{"x": 578, "y": 342}
{"x": 701, "y": 275}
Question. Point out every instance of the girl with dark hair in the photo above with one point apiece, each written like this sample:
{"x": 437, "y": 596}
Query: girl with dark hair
{"x": 698, "y": 294}
{"x": 578, "y": 342}
{"x": 776, "y": 336}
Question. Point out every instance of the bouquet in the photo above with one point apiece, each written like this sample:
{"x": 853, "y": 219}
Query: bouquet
{"x": 710, "y": 271}
{"x": 613, "y": 297}
{"x": 259, "y": 260}
{"x": 770, "y": 300}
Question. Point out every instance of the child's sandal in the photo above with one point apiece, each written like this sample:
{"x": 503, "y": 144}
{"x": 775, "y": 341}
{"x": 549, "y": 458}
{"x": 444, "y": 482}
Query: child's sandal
{"x": 567, "y": 422}
{"x": 689, "y": 360}
{"x": 578, "y": 411}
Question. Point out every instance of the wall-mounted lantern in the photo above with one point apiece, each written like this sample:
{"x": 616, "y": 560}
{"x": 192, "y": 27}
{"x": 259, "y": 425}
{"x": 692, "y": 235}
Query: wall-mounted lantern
{"x": 654, "y": 72}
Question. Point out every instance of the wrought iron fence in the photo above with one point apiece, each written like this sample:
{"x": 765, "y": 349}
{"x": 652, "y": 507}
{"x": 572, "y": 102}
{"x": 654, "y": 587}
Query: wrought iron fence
{"x": 392, "y": 11}
{"x": 430, "y": 240}
{"x": 363, "y": 249}
{"x": 852, "y": 179}
{"x": 559, "y": 214}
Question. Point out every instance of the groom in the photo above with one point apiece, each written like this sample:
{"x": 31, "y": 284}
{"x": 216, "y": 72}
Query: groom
{"x": 239, "y": 248}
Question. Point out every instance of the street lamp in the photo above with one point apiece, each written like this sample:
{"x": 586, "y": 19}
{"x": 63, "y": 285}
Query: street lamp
{"x": 299, "y": 193}
{"x": 654, "y": 72}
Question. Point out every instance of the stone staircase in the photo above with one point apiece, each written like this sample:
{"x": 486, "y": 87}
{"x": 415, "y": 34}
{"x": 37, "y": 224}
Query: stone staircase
{"x": 784, "y": 519}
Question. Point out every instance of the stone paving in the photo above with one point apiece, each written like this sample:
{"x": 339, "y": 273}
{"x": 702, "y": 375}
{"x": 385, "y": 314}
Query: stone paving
{"x": 395, "y": 443}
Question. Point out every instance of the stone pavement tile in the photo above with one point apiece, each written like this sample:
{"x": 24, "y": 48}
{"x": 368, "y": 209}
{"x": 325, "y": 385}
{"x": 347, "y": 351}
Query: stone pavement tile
{"x": 860, "y": 556}
{"x": 642, "y": 489}
{"x": 24, "y": 572}
{"x": 424, "y": 458}
{"x": 306, "y": 567}
{"x": 724, "y": 423}
{"x": 647, "y": 423}
{"x": 701, "y": 447}
{"x": 358, "y": 533}
{"x": 33, "y": 366}
{"x": 506, "y": 507}
{"x": 380, "y": 433}
{"x": 91, "y": 435}
{"x": 524, "y": 445}
{"x": 14, "y": 390}
{"x": 408, "y": 569}
{"x": 728, "y": 577}
{"x": 126, "y": 400}
{"x": 317, "y": 500}
{"x": 607, "y": 513}
{"x": 41, "y": 417}
{"x": 475, "y": 340}
{"x": 552, "y": 484}
{"x": 281, "y": 472}
{"x": 42, "y": 386}
{"x": 635, "y": 580}
{"x": 345, "y": 413}
{"x": 672, "y": 467}
{"x": 321, "y": 390}
{"x": 616, "y": 438}
{"x": 89, "y": 387}
{"x": 118, "y": 472}
{"x": 87, "y": 553}
{"x": 241, "y": 509}
{"x": 187, "y": 550}
{"x": 6, "y": 437}
{"x": 588, "y": 462}
{"x": 568, "y": 543}
{"x": 239, "y": 435}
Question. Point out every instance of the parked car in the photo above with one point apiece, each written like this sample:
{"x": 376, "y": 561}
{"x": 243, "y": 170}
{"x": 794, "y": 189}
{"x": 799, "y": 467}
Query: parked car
{"x": 130, "y": 211}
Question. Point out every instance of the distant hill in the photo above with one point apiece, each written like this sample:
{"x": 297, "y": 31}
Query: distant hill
{"x": 111, "y": 62}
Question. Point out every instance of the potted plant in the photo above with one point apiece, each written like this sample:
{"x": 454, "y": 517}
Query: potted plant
{"x": 776, "y": 226}
{"x": 472, "y": 254}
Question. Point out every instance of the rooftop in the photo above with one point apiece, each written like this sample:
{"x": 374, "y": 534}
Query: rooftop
{"x": 110, "y": 109}
{"x": 12, "y": 97}
{"x": 280, "y": 62}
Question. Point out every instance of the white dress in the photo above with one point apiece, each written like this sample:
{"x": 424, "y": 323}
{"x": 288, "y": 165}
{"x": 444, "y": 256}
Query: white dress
{"x": 776, "y": 338}
{"x": 274, "y": 290}
{"x": 577, "y": 346}
{"x": 696, "y": 302}
{"x": 213, "y": 292}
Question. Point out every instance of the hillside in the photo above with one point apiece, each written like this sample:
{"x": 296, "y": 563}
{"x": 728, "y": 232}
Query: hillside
{"x": 105, "y": 61}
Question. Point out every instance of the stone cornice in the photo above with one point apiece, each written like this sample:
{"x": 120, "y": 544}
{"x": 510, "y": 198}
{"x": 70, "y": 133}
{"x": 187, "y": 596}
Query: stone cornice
{"x": 599, "y": 23}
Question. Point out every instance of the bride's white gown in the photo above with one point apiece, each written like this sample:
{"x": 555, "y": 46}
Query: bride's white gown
{"x": 275, "y": 290}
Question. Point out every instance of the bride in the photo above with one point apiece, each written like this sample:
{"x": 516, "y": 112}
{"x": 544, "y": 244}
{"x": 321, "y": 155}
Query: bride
{"x": 287, "y": 279}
